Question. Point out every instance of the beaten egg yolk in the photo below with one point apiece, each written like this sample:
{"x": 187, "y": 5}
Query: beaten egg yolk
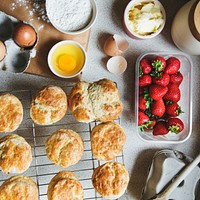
{"x": 66, "y": 63}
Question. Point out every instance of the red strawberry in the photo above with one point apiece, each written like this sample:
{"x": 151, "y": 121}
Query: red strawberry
{"x": 173, "y": 93}
{"x": 159, "y": 64}
{"x": 158, "y": 108}
{"x": 160, "y": 128}
{"x": 173, "y": 65}
{"x": 143, "y": 120}
{"x": 176, "y": 78}
{"x": 162, "y": 80}
{"x": 145, "y": 80}
{"x": 151, "y": 125}
{"x": 175, "y": 125}
{"x": 142, "y": 103}
{"x": 173, "y": 109}
{"x": 145, "y": 66}
{"x": 157, "y": 91}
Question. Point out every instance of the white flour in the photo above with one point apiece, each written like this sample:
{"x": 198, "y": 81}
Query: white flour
{"x": 69, "y": 15}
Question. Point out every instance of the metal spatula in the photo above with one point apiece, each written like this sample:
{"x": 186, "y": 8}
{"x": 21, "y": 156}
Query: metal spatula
{"x": 165, "y": 194}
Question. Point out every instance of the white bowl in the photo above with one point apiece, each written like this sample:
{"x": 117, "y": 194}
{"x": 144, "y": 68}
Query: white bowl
{"x": 74, "y": 32}
{"x": 127, "y": 28}
{"x": 55, "y": 47}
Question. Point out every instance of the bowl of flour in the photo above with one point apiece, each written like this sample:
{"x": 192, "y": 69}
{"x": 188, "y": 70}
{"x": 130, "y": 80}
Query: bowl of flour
{"x": 71, "y": 16}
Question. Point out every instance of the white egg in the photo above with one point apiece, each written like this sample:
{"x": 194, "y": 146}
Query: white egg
{"x": 117, "y": 65}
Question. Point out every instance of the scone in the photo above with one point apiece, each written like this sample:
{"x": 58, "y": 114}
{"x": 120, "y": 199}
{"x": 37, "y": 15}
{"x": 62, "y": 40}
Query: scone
{"x": 49, "y": 106}
{"x": 95, "y": 101}
{"x": 64, "y": 147}
{"x": 107, "y": 140}
{"x": 65, "y": 186}
{"x": 15, "y": 154}
{"x": 18, "y": 188}
{"x": 11, "y": 113}
{"x": 110, "y": 180}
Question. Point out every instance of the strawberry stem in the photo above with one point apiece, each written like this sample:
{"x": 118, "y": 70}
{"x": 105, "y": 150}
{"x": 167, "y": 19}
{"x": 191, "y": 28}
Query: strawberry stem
{"x": 174, "y": 129}
{"x": 157, "y": 65}
{"x": 145, "y": 125}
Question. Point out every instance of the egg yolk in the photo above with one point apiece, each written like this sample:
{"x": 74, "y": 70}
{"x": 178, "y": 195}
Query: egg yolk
{"x": 66, "y": 63}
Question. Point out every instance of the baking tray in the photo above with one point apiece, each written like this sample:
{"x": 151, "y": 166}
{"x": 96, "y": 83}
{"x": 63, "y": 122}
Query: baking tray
{"x": 42, "y": 169}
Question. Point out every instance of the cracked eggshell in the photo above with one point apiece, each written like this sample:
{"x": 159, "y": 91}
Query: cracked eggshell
{"x": 117, "y": 65}
{"x": 115, "y": 45}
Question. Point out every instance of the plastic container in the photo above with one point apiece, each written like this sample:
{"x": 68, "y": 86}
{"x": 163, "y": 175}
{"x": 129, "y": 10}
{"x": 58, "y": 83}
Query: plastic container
{"x": 185, "y": 101}
{"x": 133, "y": 34}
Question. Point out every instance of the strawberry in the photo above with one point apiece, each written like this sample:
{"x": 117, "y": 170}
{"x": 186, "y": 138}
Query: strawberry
{"x": 145, "y": 66}
{"x": 142, "y": 103}
{"x": 159, "y": 64}
{"x": 176, "y": 78}
{"x": 143, "y": 120}
{"x": 145, "y": 100}
{"x": 162, "y": 80}
{"x": 145, "y": 80}
{"x": 173, "y": 93}
{"x": 158, "y": 108}
{"x": 173, "y": 109}
{"x": 151, "y": 125}
{"x": 175, "y": 125}
{"x": 173, "y": 65}
{"x": 157, "y": 91}
{"x": 160, "y": 128}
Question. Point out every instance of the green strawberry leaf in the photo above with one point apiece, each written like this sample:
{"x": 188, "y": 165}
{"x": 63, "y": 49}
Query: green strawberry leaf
{"x": 157, "y": 65}
{"x": 145, "y": 125}
{"x": 179, "y": 111}
{"x": 174, "y": 129}
{"x": 140, "y": 71}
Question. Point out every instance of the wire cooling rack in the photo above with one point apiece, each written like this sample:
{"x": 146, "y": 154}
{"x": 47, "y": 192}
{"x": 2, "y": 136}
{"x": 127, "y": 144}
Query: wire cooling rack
{"x": 42, "y": 169}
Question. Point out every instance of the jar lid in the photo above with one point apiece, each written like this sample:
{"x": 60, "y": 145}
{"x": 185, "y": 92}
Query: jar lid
{"x": 194, "y": 20}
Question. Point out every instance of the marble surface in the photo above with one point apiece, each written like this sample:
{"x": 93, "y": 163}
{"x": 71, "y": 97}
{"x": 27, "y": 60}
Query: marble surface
{"x": 138, "y": 154}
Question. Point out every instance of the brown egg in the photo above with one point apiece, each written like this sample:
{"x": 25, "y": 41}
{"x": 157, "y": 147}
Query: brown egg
{"x": 115, "y": 45}
{"x": 2, "y": 50}
{"x": 24, "y": 35}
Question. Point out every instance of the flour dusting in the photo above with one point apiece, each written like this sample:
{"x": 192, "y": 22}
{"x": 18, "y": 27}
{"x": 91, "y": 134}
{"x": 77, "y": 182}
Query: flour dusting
{"x": 69, "y": 15}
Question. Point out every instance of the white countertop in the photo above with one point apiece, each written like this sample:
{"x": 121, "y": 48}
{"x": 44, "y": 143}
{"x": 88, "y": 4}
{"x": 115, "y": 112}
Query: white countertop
{"x": 138, "y": 154}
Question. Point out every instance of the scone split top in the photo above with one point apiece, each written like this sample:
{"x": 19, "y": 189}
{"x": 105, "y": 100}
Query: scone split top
{"x": 49, "y": 106}
{"x": 95, "y": 101}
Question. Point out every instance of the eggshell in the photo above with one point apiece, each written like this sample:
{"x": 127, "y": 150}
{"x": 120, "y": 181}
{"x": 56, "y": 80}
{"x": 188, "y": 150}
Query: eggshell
{"x": 115, "y": 45}
{"x": 24, "y": 35}
{"x": 117, "y": 65}
{"x": 2, "y": 51}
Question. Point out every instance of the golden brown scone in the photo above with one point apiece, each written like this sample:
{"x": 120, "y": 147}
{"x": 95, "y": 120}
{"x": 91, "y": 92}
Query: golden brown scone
{"x": 65, "y": 186}
{"x": 64, "y": 147}
{"x": 110, "y": 180}
{"x": 19, "y": 188}
{"x": 15, "y": 154}
{"x": 49, "y": 105}
{"x": 11, "y": 113}
{"x": 95, "y": 101}
{"x": 80, "y": 104}
{"x": 107, "y": 140}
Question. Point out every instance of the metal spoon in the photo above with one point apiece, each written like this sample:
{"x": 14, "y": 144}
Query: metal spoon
{"x": 170, "y": 188}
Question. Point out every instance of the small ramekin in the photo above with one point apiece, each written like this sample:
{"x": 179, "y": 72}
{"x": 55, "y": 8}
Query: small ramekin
{"x": 127, "y": 28}
{"x": 57, "y": 45}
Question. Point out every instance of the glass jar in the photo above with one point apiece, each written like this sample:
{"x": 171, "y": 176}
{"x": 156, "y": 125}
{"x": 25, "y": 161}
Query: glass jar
{"x": 185, "y": 29}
